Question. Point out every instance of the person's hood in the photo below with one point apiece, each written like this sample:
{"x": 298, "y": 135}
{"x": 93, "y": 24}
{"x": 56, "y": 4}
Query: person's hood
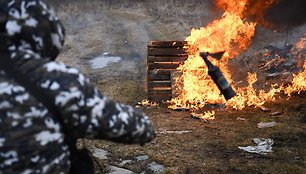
{"x": 30, "y": 26}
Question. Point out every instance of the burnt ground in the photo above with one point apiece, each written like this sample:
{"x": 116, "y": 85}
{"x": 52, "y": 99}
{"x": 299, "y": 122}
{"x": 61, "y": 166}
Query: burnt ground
{"x": 123, "y": 28}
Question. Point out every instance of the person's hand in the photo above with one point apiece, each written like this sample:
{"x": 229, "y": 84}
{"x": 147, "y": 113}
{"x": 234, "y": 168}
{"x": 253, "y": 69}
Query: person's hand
{"x": 149, "y": 135}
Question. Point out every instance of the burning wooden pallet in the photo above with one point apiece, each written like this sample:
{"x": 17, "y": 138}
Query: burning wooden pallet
{"x": 163, "y": 58}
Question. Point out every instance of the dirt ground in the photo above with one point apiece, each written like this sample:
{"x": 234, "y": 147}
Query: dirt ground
{"x": 213, "y": 147}
{"x": 123, "y": 28}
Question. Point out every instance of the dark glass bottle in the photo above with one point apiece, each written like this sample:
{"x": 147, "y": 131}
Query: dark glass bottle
{"x": 217, "y": 76}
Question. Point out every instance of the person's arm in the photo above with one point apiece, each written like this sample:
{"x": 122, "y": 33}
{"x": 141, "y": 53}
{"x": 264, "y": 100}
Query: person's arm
{"x": 88, "y": 114}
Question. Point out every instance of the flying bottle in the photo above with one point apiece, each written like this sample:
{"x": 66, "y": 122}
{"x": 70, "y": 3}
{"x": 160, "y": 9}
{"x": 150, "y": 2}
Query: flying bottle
{"x": 217, "y": 76}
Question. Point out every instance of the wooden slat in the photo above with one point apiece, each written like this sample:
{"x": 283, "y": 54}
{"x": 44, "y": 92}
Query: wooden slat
{"x": 160, "y": 92}
{"x": 163, "y": 65}
{"x": 182, "y": 58}
{"x": 171, "y": 51}
{"x": 160, "y": 89}
{"x": 167, "y": 43}
{"x": 159, "y": 84}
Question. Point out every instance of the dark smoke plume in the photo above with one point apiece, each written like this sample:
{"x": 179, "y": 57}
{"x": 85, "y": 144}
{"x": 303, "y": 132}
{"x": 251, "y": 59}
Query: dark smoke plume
{"x": 277, "y": 13}
{"x": 288, "y": 12}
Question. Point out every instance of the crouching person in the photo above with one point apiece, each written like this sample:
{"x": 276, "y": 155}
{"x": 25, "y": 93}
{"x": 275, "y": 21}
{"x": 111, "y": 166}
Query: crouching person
{"x": 45, "y": 105}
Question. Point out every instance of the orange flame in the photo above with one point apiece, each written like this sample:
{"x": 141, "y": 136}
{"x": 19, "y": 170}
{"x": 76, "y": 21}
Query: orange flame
{"x": 208, "y": 115}
{"x": 301, "y": 44}
{"x": 299, "y": 80}
{"x": 230, "y": 34}
{"x": 298, "y": 83}
{"x": 233, "y": 35}
{"x": 249, "y": 96}
{"x": 147, "y": 103}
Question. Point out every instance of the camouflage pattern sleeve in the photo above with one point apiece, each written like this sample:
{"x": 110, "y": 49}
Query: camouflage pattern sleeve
{"x": 89, "y": 114}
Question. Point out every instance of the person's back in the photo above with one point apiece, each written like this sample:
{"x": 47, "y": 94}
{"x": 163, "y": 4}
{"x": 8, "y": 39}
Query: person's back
{"x": 31, "y": 138}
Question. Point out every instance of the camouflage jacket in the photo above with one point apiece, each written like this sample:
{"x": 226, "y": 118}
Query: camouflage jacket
{"x": 31, "y": 139}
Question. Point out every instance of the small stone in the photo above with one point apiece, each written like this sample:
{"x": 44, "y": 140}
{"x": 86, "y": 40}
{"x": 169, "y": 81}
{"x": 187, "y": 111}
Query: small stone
{"x": 156, "y": 168}
{"x": 142, "y": 157}
{"x": 266, "y": 125}
{"x": 276, "y": 113}
{"x": 99, "y": 153}
{"x": 116, "y": 170}
{"x": 264, "y": 108}
{"x": 124, "y": 162}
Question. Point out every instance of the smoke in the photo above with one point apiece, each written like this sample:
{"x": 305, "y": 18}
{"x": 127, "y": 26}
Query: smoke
{"x": 287, "y": 12}
{"x": 277, "y": 13}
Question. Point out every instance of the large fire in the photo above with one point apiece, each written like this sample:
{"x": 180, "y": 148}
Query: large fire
{"x": 232, "y": 34}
